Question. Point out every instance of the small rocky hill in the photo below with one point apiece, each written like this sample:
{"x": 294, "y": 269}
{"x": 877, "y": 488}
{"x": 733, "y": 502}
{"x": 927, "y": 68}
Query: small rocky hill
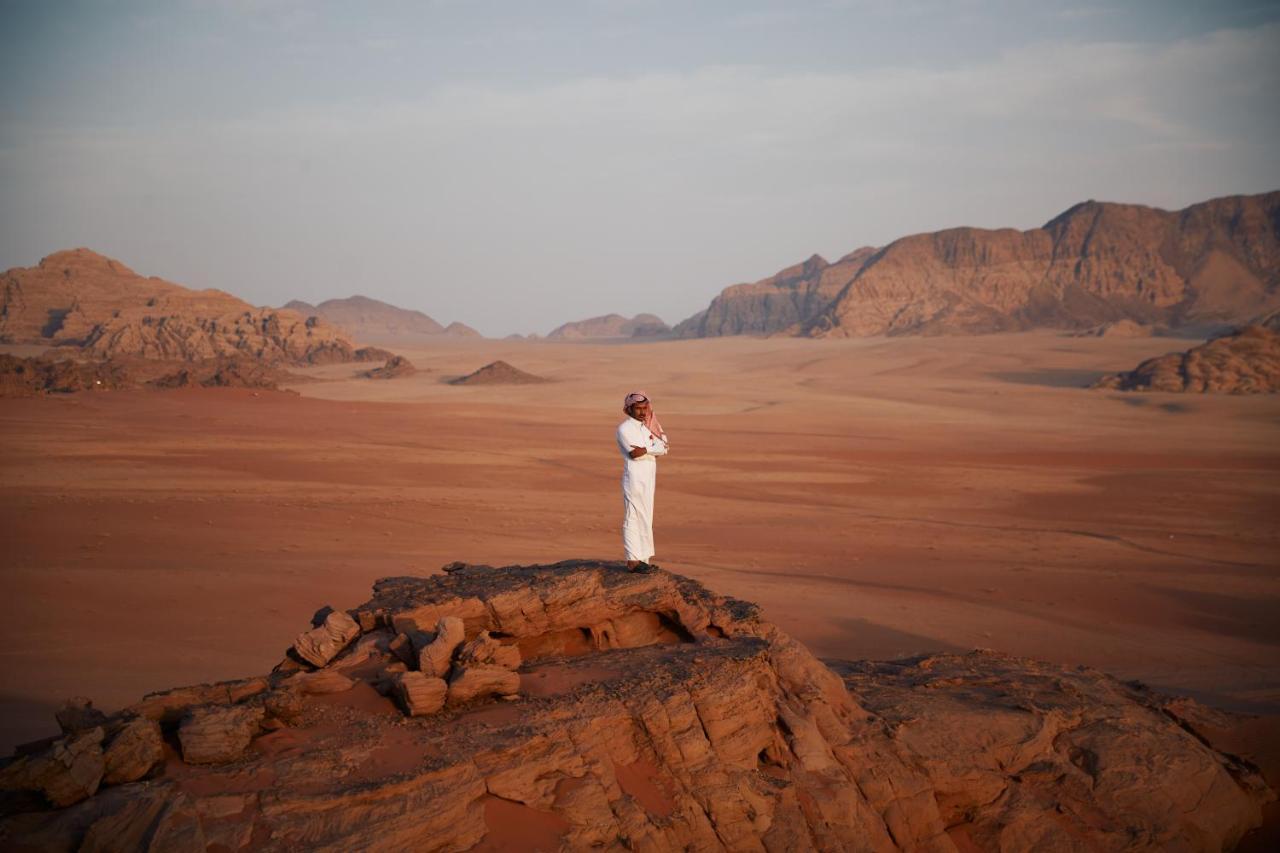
{"x": 498, "y": 373}
{"x": 578, "y": 706}
{"x": 1096, "y": 263}
{"x": 85, "y": 301}
{"x": 1244, "y": 362}
{"x": 612, "y": 326}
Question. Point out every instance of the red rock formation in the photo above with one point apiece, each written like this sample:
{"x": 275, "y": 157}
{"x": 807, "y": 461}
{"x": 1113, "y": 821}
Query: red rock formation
{"x": 652, "y": 714}
{"x": 1243, "y": 362}
{"x": 395, "y": 367}
{"x": 1096, "y": 263}
{"x": 786, "y": 302}
{"x": 498, "y": 373}
{"x": 611, "y": 326}
{"x": 29, "y": 377}
{"x": 81, "y": 299}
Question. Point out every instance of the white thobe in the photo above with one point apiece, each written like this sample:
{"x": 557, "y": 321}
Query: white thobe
{"x": 639, "y": 477}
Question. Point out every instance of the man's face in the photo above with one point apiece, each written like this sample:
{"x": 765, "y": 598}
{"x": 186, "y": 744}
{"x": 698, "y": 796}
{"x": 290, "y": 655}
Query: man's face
{"x": 640, "y": 410}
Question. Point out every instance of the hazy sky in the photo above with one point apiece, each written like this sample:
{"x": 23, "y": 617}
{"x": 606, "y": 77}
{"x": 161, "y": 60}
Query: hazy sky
{"x": 515, "y": 165}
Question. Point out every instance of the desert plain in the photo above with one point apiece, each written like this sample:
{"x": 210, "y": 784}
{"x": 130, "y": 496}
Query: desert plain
{"x": 879, "y": 497}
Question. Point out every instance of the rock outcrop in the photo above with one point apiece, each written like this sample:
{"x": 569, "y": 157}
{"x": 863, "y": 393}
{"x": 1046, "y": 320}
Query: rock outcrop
{"x": 612, "y": 326}
{"x": 30, "y": 377}
{"x": 652, "y": 714}
{"x": 83, "y": 300}
{"x": 395, "y": 367}
{"x": 1244, "y": 362}
{"x": 1096, "y": 263}
{"x": 498, "y": 373}
{"x": 1117, "y": 329}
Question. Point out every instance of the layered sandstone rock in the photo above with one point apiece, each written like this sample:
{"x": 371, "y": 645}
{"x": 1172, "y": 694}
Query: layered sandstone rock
{"x": 611, "y": 326}
{"x": 1244, "y": 362}
{"x": 498, "y": 373}
{"x": 81, "y": 299}
{"x": 1096, "y": 263}
{"x": 319, "y": 645}
{"x": 656, "y": 715}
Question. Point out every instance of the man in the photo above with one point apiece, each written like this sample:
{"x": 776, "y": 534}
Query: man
{"x": 641, "y": 440}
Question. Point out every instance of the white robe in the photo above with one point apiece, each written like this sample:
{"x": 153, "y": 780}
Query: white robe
{"x": 639, "y": 477}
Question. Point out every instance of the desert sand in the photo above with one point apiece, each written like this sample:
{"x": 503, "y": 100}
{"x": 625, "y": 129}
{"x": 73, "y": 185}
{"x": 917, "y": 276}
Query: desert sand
{"x": 878, "y": 497}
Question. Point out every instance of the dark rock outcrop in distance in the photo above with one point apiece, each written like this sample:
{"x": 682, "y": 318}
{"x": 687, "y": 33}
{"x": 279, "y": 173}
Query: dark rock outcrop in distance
{"x": 612, "y": 326}
{"x": 374, "y": 321}
{"x": 396, "y": 367}
{"x": 101, "y": 308}
{"x": 595, "y": 708}
{"x": 30, "y": 377}
{"x": 1117, "y": 329}
{"x": 1217, "y": 262}
{"x": 498, "y": 373}
{"x": 1244, "y": 362}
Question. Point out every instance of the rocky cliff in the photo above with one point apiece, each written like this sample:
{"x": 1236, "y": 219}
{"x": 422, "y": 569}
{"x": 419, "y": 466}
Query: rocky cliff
{"x": 1212, "y": 263}
{"x": 612, "y": 326}
{"x": 82, "y": 300}
{"x": 579, "y": 706}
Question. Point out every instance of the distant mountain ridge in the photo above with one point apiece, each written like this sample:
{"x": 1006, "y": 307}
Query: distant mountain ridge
{"x": 1095, "y": 263}
{"x": 374, "y": 321}
{"x": 83, "y": 300}
{"x": 612, "y": 326}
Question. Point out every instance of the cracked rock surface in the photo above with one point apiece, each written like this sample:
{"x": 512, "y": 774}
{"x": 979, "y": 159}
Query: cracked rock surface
{"x": 652, "y": 714}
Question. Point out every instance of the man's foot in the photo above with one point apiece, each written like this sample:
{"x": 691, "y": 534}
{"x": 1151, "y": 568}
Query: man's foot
{"x": 638, "y": 567}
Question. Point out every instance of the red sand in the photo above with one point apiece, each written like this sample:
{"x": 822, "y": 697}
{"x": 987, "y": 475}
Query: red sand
{"x": 877, "y": 498}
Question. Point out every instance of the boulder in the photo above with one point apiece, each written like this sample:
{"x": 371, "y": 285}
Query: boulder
{"x": 420, "y": 694}
{"x": 79, "y": 715}
{"x": 486, "y": 651}
{"x": 436, "y": 658}
{"x": 66, "y": 772}
{"x": 216, "y": 735}
{"x": 471, "y": 682}
{"x": 320, "y": 682}
{"x": 133, "y": 751}
{"x": 322, "y": 644}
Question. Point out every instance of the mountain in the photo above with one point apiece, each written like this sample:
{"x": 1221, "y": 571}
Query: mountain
{"x": 370, "y": 320}
{"x": 1217, "y": 262}
{"x": 785, "y": 302}
{"x": 578, "y": 706}
{"x": 611, "y": 326}
{"x": 461, "y": 330}
{"x": 83, "y": 300}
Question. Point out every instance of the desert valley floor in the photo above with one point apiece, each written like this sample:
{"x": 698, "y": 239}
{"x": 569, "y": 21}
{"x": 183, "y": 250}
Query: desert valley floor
{"x": 878, "y": 497}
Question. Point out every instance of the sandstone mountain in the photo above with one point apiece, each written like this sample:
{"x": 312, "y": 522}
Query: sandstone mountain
{"x": 498, "y": 373}
{"x": 612, "y": 326}
{"x": 82, "y": 300}
{"x": 578, "y": 706}
{"x": 1217, "y": 262}
{"x": 786, "y": 302}
{"x": 1244, "y": 362}
{"x": 376, "y": 322}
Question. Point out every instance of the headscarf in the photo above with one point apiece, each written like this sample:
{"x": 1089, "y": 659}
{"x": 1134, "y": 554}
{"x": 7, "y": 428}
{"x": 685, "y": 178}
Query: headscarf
{"x": 651, "y": 423}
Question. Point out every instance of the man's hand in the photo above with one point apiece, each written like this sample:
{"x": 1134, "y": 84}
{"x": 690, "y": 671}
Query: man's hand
{"x": 637, "y": 451}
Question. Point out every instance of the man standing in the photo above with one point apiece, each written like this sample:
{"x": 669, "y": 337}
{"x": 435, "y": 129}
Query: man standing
{"x": 641, "y": 440}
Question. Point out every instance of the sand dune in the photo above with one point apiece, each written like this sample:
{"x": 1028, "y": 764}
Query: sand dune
{"x": 877, "y": 497}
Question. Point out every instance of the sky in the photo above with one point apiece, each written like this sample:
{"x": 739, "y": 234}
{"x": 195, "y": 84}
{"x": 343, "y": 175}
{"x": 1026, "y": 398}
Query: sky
{"x": 514, "y": 165}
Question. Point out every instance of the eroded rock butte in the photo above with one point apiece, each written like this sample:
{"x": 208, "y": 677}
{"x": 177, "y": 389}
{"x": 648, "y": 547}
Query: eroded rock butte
{"x": 594, "y": 708}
